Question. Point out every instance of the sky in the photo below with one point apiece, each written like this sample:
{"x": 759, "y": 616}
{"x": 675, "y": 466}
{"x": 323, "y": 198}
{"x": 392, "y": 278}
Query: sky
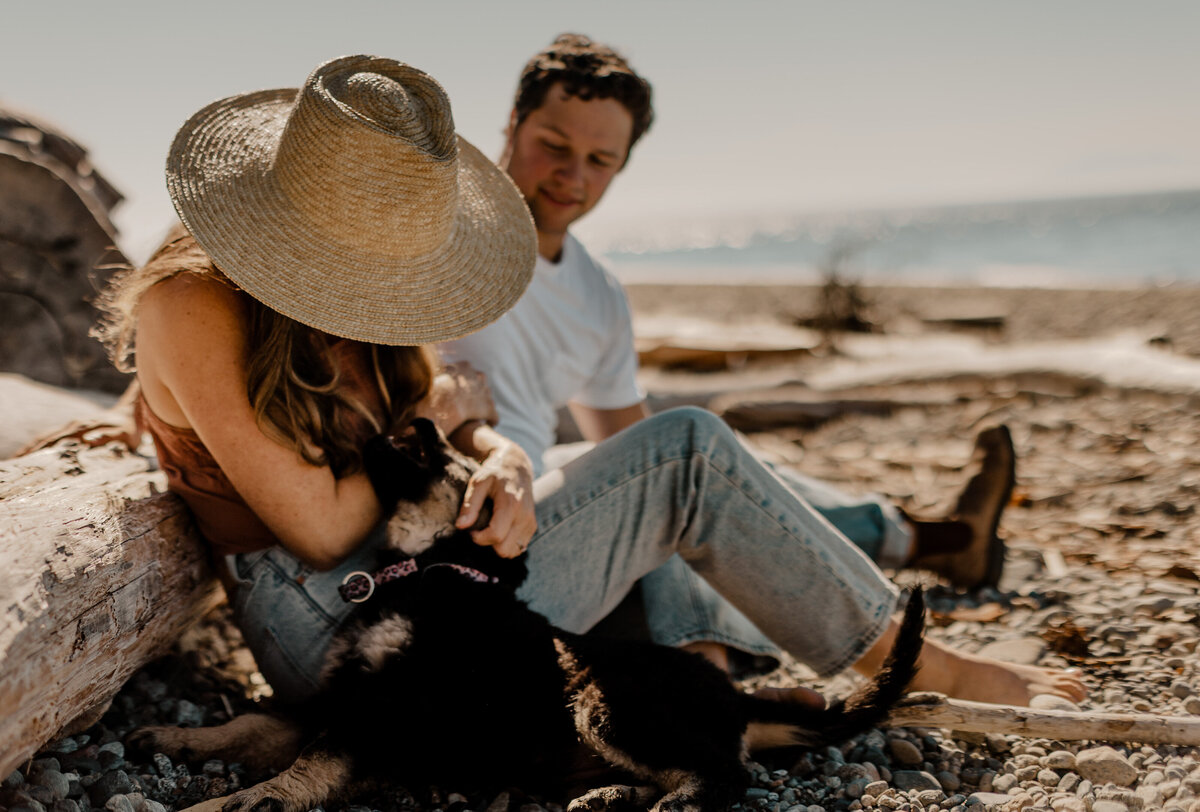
{"x": 762, "y": 107}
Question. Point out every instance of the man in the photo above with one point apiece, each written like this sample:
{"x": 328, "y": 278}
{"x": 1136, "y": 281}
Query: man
{"x": 579, "y": 109}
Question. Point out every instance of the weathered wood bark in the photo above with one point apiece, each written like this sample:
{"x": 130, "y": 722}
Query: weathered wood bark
{"x": 54, "y": 233}
{"x": 771, "y": 410}
{"x": 29, "y": 410}
{"x": 101, "y": 573}
{"x": 935, "y": 710}
{"x": 703, "y": 345}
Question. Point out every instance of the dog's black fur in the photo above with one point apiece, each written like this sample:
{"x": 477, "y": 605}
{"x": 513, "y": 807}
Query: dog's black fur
{"x": 442, "y": 678}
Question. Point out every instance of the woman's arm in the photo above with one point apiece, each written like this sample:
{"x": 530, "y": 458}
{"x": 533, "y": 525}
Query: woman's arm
{"x": 191, "y": 351}
{"x": 506, "y": 477}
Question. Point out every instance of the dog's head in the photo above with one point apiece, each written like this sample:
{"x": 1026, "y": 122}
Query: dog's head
{"x": 420, "y": 480}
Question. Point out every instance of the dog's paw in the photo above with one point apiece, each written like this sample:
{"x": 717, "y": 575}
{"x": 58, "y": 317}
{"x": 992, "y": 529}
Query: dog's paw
{"x": 677, "y": 804}
{"x": 254, "y": 799}
{"x": 609, "y": 799}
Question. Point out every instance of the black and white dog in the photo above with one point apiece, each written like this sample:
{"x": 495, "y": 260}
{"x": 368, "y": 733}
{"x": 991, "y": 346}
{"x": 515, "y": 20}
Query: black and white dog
{"x": 444, "y": 675}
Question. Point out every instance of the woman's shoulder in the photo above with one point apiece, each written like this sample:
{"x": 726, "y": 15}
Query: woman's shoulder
{"x": 191, "y": 296}
{"x": 187, "y": 322}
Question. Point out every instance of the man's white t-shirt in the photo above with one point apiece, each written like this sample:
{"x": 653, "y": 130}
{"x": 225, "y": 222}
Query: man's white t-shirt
{"x": 568, "y": 339}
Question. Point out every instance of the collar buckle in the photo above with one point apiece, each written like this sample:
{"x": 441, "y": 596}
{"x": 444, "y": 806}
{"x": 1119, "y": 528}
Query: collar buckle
{"x": 353, "y": 590}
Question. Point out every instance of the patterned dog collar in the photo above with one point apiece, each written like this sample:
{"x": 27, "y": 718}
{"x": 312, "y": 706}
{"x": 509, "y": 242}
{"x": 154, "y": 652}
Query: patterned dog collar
{"x": 475, "y": 575}
{"x": 359, "y": 586}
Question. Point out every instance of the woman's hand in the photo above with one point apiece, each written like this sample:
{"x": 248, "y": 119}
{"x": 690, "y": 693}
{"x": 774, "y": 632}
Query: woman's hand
{"x": 506, "y": 478}
{"x": 459, "y": 394}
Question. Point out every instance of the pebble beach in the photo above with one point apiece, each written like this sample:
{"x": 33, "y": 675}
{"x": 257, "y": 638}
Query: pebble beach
{"x": 1103, "y": 571}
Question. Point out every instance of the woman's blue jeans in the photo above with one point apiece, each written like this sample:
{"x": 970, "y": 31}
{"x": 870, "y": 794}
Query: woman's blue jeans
{"x": 678, "y": 482}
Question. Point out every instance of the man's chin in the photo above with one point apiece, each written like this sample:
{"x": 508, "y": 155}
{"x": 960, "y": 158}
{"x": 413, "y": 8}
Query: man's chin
{"x": 555, "y": 223}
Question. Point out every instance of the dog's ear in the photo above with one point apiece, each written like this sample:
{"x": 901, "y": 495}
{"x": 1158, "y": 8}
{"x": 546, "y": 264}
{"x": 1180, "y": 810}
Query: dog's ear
{"x": 403, "y": 465}
{"x": 398, "y": 467}
{"x": 419, "y": 441}
{"x": 424, "y": 433}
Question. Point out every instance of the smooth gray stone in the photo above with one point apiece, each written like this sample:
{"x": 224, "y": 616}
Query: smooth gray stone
{"x": 909, "y": 780}
{"x": 1100, "y": 765}
{"x": 989, "y": 798}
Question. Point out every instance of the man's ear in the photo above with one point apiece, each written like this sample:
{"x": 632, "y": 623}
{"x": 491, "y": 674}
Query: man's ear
{"x": 509, "y": 133}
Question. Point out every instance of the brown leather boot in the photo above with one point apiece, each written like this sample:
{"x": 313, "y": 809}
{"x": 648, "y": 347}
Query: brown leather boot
{"x": 965, "y": 550}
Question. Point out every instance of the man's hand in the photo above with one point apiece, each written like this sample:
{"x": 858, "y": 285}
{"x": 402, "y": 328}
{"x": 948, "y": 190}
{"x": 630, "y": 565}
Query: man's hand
{"x": 459, "y": 394}
{"x": 505, "y": 477}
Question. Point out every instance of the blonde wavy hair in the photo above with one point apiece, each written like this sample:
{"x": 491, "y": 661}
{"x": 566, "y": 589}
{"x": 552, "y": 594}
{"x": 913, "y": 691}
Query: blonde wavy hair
{"x": 294, "y": 381}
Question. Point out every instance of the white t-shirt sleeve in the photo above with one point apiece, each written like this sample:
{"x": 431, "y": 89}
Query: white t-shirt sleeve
{"x": 614, "y": 383}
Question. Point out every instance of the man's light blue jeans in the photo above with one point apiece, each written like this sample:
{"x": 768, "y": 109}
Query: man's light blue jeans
{"x": 680, "y": 606}
{"x": 678, "y": 482}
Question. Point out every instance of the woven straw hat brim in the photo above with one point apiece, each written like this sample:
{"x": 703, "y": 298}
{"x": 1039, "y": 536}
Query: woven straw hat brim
{"x": 219, "y": 175}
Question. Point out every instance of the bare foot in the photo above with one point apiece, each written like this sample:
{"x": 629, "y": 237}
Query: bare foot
{"x": 980, "y": 679}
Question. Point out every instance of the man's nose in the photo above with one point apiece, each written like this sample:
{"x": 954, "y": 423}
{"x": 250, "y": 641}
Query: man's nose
{"x": 570, "y": 169}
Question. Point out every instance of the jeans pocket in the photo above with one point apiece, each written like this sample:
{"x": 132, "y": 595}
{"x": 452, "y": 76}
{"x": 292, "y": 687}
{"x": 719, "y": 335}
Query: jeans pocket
{"x": 243, "y": 565}
{"x": 287, "y": 634}
{"x": 289, "y": 675}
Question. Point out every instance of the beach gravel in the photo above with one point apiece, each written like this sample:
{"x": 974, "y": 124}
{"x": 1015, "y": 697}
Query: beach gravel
{"x": 1103, "y": 574}
{"x": 1102, "y": 765}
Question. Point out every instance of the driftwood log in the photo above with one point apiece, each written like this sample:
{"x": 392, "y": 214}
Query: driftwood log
{"x": 779, "y": 408}
{"x": 101, "y": 572}
{"x": 935, "y": 710}
{"x": 703, "y": 345}
{"x": 57, "y": 244}
{"x": 30, "y": 410}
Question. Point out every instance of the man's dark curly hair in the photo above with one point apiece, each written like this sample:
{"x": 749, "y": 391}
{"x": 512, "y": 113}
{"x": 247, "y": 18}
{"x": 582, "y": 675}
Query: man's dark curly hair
{"x": 589, "y": 70}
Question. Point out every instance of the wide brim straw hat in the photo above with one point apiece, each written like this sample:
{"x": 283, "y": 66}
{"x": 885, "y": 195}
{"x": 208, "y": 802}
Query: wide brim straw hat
{"x": 351, "y": 206}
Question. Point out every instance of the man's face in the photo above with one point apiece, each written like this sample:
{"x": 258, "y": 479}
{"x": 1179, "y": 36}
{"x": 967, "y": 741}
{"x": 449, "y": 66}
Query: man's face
{"x": 564, "y": 154}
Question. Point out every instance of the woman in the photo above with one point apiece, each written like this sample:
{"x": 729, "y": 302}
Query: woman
{"x": 339, "y": 229}
{"x": 331, "y": 232}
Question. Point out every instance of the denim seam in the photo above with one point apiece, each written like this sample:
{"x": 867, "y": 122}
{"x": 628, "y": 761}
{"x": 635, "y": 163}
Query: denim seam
{"x": 297, "y": 671}
{"x": 854, "y": 652}
{"x": 856, "y": 647}
{"x": 697, "y": 605}
{"x": 593, "y": 495}
{"x": 708, "y": 636}
{"x": 771, "y": 517}
{"x": 299, "y": 588}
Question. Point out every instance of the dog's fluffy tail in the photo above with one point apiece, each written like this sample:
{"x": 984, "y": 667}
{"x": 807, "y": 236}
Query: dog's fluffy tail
{"x": 789, "y": 724}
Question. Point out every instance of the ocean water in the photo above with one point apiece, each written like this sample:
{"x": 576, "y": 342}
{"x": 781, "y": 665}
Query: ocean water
{"x": 1130, "y": 240}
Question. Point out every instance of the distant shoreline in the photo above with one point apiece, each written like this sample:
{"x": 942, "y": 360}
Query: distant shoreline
{"x": 811, "y": 280}
{"x": 1118, "y": 241}
{"x": 1167, "y": 314}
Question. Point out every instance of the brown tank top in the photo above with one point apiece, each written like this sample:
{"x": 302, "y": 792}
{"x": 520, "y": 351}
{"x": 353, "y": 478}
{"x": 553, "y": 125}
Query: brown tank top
{"x": 224, "y": 518}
